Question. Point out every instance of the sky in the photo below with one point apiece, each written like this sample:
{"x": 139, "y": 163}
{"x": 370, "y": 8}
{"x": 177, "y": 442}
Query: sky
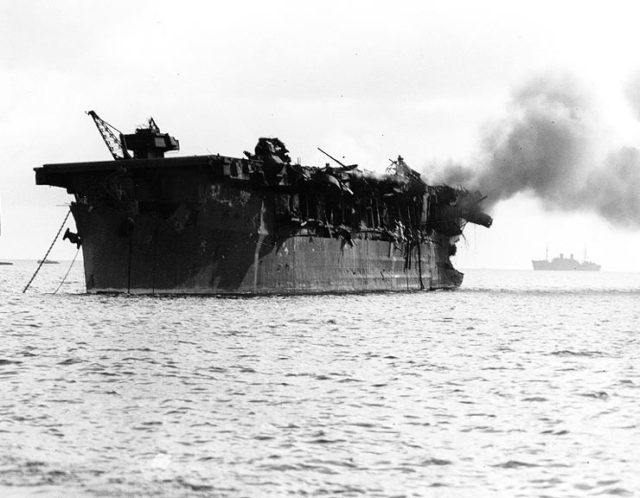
{"x": 364, "y": 80}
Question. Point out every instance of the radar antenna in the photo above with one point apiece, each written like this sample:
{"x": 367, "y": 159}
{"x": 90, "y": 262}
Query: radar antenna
{"x": 115, "y": 143}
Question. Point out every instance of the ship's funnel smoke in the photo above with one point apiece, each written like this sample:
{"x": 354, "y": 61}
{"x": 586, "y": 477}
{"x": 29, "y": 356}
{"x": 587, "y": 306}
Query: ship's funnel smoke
{"x": 548, "y": 146}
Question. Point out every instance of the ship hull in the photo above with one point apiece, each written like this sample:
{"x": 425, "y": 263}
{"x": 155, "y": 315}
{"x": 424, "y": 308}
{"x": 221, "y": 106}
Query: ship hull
{"x": 213, "y": 258}
{"x": 215, "y": 225}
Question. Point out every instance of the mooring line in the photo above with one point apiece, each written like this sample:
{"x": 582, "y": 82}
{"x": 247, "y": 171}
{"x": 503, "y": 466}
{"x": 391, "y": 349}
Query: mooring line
{"x": 68, "y": 270}
{"x": 48, "y": 251}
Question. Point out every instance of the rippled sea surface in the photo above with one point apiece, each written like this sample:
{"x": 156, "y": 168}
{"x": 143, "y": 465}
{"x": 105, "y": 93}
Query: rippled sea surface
{"x": 518, "y": 384}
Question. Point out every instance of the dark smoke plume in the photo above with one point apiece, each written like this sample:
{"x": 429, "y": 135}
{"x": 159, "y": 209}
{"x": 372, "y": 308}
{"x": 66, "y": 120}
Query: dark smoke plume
{"x": 548, "y": 146}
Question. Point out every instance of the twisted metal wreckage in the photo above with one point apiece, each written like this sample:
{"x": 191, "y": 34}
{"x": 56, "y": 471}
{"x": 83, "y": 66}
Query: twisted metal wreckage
{"x": 259, "y": 224}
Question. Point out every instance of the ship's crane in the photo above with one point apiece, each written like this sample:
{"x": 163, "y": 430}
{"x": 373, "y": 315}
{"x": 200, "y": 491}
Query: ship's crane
{"x": 108, "y": 132}
{"x": 146, "y": 143}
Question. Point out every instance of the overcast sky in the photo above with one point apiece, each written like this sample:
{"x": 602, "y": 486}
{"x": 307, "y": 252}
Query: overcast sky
{"x": 364, "y": 80}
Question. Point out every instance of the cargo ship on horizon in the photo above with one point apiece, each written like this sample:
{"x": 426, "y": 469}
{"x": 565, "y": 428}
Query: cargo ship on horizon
{"x": 564, "y": 264}
{"x": 258, "y": 224}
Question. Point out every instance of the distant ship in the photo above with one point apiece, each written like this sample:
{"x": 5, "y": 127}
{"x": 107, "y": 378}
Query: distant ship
{"x": 564, "y": 264}
{"x": 48, "y": 262}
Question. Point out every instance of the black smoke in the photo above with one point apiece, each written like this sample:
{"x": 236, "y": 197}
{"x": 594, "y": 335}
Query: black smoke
{"x": 549, "y": 145}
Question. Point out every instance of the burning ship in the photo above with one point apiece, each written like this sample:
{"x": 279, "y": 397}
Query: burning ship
{"x": 259, "y": 224}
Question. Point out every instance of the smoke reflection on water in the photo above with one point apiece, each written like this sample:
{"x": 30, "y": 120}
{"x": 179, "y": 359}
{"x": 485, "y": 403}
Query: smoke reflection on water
{"x": 520, "y": 383}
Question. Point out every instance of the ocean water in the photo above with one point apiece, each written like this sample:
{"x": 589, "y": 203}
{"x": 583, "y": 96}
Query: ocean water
{"x": 520, "y": 383}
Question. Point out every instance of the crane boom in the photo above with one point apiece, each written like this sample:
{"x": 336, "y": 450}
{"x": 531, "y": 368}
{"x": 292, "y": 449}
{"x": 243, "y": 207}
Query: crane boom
{"x": 108, "y": 132}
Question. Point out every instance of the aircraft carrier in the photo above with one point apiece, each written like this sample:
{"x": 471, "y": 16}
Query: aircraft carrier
{"x": 257, "y": 224}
